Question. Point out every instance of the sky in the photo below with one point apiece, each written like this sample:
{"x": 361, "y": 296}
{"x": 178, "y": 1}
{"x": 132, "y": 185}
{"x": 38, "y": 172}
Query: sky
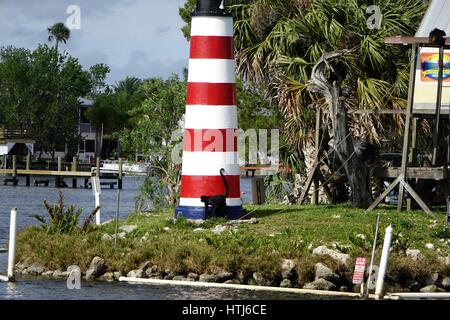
{"x": 140, "y": 38}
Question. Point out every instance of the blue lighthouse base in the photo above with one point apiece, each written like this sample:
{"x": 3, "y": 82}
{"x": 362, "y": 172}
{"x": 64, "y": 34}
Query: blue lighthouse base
{"x": 196, "y": 213}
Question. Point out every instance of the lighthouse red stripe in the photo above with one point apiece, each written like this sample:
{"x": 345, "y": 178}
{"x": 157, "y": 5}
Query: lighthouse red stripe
{"x": 197, "y": 186}
{"x": 211, "y": 47}
{"x": 210, "y": 140}
{"x": 217, "y": 94}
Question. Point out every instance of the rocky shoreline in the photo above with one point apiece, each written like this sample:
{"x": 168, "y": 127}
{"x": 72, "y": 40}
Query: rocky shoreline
{"x": 323, "y": 277}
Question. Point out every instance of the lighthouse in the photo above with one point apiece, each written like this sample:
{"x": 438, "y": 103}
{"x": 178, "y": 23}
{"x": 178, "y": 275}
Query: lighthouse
{"x": 210, "y": 132}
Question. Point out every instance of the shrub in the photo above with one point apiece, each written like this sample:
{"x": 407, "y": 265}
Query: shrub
{"x": 62, "y": 220}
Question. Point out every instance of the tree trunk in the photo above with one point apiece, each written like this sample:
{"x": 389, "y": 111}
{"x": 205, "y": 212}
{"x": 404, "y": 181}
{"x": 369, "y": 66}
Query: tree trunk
{"x": 356, "y": 169}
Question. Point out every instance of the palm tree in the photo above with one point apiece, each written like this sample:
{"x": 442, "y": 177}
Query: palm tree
{"x": 58, "y": 32}
{"x": 278, "y": 42}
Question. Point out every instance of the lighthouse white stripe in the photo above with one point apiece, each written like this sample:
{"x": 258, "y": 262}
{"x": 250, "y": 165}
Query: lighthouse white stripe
{"x": 195, "y": 202}
{"x": 212, "y": 70}
{"x": 212, "y": 26}
{"x": 210, "y": 117}
{"x": 210, "y": 163}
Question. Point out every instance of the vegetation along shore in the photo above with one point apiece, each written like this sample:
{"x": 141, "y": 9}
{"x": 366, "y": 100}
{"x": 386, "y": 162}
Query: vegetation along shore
{"x": 312, "y": 247}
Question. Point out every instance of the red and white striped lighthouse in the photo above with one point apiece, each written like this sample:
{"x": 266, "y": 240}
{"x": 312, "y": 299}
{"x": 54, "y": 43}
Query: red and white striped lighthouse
{"x": 210, "y": 136}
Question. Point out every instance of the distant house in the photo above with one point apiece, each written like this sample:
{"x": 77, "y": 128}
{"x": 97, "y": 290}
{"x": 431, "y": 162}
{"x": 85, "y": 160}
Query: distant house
{"x": 87, "y": 146}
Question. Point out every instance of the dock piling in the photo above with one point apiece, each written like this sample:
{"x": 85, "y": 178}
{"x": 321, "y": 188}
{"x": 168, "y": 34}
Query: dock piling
{"x": 28, "y": 167}
{"x": 119, "y": 180}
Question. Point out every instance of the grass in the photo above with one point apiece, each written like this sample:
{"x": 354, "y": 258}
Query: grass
{"x": 282, "y": 232}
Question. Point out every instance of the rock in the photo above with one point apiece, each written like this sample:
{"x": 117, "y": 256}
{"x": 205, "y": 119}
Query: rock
{"x": 361, "y": 236}
{"x": 193, "y": 276}
{"x": 414, "y": 254}
{"x": 57, "y": 274}
{"x": 333, "y": 254}
{"x": 109, "y": 277}
{"x": 243, "y": 221}
{"x": 288, "y": 268}
{"x": 121, "y": 235}
{"x": 137, "y": 273}
{"x": 219, "y": 229}
{"x": 96, "y": 268}
{"x": 73, "y": 267}
{"x": 232, "y": 281}
{"x": 412, "y": 285}
{"x": 35, "y": 269}
{"x": 320, "y": 284}
{"x": 179, "y": 278}
{"x": 196, "y": 221}
{"x": 47, "y": 274}
{"x": 117, "y": 275}
{"x": 205, "y": 277}
{"x": 224, "y": 276}
{"x": 169, "y": 276}
{"x": 444, "y": 260}
{"x": 107, "y": 237}
{"x": 286, "y": 283}
{"x": 445, "y": 282}
{"x": 432, "y": 288}
{"x": 128, "y": 228}
{"x": 343, "y": 289}
{"x": 429, "y": 246}
{"x": 431, "y": 279}
{"x": 20, "y": 266}
{"x": 166, "y": 229}
{"x": 144, "y": 266}
{"x": 65, "y": 274}
{"x": 199, "y": 229}
{"x": 323, "y": 272}
{"x": 261, "y": 280}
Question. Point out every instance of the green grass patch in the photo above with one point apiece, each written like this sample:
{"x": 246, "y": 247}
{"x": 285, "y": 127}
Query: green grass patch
{"x": 282, "y": 232}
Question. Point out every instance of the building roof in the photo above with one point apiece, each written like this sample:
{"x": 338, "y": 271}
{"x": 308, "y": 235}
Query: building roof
{"x": 437, "y": 16}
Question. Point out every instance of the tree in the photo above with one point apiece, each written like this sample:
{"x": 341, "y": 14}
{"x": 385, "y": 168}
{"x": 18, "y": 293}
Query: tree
{"x": 59, "y": 33}
{"x": 98, "y": 73}
{"x": 154, "y": 122}
{"x": 41, "y": 95}
{"x": 279, "y": 42}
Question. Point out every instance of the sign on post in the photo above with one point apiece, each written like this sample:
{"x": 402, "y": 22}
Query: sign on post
{"x": 358, "y": 274}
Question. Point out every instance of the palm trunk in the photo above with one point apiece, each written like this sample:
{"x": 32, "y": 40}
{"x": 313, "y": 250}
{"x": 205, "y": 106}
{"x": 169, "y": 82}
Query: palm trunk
{"x": 356, "y": 169}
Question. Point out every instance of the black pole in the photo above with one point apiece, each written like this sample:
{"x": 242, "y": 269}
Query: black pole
{"x": 211, "y": 8}
{"x": 438, "y": 106}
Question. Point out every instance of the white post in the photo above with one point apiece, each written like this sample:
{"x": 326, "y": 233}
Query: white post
{"x": 96, "y": 189}
{"x": 383, "y": 263}
{"x": 12, "y": 245}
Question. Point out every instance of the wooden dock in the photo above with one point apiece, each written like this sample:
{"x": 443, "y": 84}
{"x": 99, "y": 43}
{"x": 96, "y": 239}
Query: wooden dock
{"x": 59, "y": 175}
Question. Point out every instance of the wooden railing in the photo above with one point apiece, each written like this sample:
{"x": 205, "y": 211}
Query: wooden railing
{"x": 9, "y": 133}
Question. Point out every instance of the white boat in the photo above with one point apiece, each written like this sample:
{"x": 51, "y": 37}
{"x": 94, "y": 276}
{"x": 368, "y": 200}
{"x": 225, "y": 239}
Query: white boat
{"x": 132, "y": 168}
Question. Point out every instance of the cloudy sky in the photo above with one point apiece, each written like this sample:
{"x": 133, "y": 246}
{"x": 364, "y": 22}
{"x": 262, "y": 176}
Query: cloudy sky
{"x": 140, "y": 38}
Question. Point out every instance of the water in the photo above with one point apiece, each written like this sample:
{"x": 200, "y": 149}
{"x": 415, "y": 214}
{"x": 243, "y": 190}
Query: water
{"x": 57, "y": 290}
{"x": 29, "y": 201}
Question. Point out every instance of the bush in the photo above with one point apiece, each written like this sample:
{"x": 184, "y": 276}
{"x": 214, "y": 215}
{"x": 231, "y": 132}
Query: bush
{"x": 62, "y": 220}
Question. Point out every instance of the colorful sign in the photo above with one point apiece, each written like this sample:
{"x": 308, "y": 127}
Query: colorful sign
{"x": 360, "y": 267}
{"x": 430, "y": 67}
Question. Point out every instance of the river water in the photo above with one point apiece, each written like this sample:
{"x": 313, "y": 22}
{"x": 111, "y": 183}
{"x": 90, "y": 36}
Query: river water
{"x": 29, "y": 201}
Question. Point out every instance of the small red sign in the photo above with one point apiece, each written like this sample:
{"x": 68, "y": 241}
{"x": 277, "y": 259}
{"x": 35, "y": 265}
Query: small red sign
{"x": 360, "y": 266}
